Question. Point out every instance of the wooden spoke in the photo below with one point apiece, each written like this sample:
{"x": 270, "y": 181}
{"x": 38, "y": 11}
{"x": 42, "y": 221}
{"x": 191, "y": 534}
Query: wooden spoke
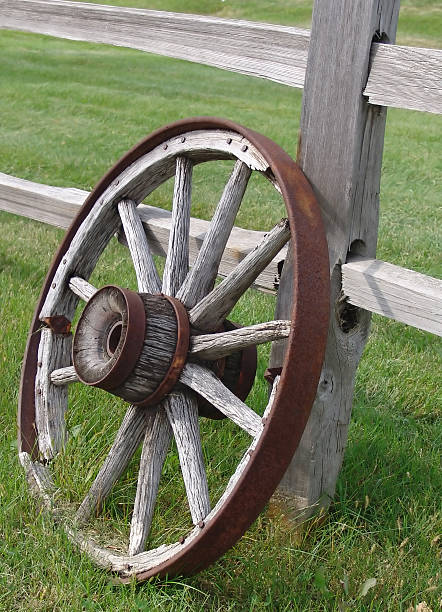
{"x": 211, "y": 311}
{"x": 246, "y": 457}
{"x": 201, "y": 277}
{"x": 64, "y": 376}
{"x": 128, "y": 437}
{"x": 177, "y": 260}
{"x": 51, "y": 401}
{"x": 156, "y": 443}
{"x": 147, "y": 275}
{"x": 82, "y": 288}
{"x": 208, "y": 385}
{"x": 182, "y": 411}
{"x": 216, "y": 346}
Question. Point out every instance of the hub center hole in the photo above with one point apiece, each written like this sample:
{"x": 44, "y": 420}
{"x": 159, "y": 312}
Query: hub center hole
{"x": 113, "y": 338}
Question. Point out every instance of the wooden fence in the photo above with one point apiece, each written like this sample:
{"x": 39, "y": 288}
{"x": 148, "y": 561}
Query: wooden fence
{"x": 349, "y": 78}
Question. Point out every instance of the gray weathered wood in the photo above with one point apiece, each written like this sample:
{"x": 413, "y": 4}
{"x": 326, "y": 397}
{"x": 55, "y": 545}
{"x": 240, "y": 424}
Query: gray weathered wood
{"x": 211, "y": 311}
{"x": 58, "y": 206}
{"x": 53, "y": 205}
{"x": 176, "y": 265}
{"x": 340, "y": 151}
{"x": 405, "y": 77}
{"x": 208, "y": 385}
{"x": 182, "y": 412}
{"x": 395, "y": 292}
{"x": 129, "y": 436}
{"x": 208, "y": 346}
{"x": 135, "y": 183}
{"x": 64, "y": 376}
{"x": 216, "y": 346}
{"x": 130, "y": 564}
{"x": 82, "y": 288}
{"x": 39, "y": 479}
{"x": 155, "y": 445}
{"x": 202, "y": 276}
{"x": 92, "y": 361}
{"x": 54, "y": 351}
{"x": 145, "y": 270}
{"x": 274, "y": 52}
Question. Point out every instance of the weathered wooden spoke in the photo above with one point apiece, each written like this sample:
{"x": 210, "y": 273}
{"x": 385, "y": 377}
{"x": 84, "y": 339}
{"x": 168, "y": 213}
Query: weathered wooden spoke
{"x": 217, "y": 346}
{"x": 147, "y": 275}
{"x": 177, "y": 260}
{"x": 82, "y": 288}
{"x": 182, "y": 412}
{"x": 126, "y": 442}
{"x": 201, "y": 278}
{"x": 211, "y": 311}
{"x": 155, "y": 446}
{"x": 173, "y": 356}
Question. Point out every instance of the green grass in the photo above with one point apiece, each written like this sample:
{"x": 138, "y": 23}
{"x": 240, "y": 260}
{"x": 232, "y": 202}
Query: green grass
{"x": 68, "y": 111}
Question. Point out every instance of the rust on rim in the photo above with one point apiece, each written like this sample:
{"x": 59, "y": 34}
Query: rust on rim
{"x": 302, "y": 363}
{"x": 179, "y": 357}
{"x": 132, "y": 326}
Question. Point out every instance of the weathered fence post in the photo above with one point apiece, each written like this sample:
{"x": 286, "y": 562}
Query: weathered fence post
{"x": 340, "y": 151}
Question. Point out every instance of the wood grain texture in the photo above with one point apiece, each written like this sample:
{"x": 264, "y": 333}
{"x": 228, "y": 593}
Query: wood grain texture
{"x": 405, "y": 77}
{"x": 64, "y": 376}
{"x": 145, "y": 270}
{"x": 127, "y": 440}
{"x": 203, "y": 273}
{"x": 274, "y": 52}
{"x": 176, "y": 265}
{"x": 128, "y": 565}
{"x": 51, "y": 401}
{"x": 39, "y": 479}
{"x": 340, "y": 151}
{"x": 216, "y": 346}
{"x": 58, "y": 206}
{"x": 155, "y": 446}
{"x": 211, "y": 311}
{"x": 182, "y": 412}
{"x": 208, "y": 385}
{"x": 395, "y": 292}
{"x": 82, "y": 288}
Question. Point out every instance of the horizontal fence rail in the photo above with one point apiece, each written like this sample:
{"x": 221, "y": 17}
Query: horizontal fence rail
{"x": 58, "y": 206}
{"x": 403, "y": 77}
{"x": 389, "y": 290}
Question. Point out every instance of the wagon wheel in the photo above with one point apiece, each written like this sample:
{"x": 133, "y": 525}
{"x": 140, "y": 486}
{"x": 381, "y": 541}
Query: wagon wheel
{"x": 155, "y": 347}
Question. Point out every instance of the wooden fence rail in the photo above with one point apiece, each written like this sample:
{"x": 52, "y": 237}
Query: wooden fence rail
{"x": 404, "y": 77}
{"x": 389, "y": 290}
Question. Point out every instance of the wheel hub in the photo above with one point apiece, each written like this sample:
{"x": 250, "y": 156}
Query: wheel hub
{"x": 134, "y": 345}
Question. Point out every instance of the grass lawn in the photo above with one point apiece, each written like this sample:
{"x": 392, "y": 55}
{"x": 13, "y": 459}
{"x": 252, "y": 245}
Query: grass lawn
{"x": 68, "y": 111}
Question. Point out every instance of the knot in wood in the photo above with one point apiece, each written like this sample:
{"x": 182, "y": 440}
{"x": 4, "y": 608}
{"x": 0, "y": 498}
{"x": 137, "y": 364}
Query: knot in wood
{"x": 133, "y": 345}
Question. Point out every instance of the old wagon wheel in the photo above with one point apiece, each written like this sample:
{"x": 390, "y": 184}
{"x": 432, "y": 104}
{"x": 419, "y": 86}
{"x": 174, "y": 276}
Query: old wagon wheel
{"x": 154, "y": 347}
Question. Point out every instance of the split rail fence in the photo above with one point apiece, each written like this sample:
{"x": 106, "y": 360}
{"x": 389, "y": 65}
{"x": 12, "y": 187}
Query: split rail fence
{"x": 350, "y": 71}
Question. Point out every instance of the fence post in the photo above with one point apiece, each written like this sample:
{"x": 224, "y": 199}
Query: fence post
{"x": 340, "y": 151}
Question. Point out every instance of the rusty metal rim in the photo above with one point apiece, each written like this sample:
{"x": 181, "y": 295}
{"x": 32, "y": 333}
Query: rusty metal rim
{"x": 301, "y": 368}
{"x": 179, "y": 357}
{"x": 132, "y": 341}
